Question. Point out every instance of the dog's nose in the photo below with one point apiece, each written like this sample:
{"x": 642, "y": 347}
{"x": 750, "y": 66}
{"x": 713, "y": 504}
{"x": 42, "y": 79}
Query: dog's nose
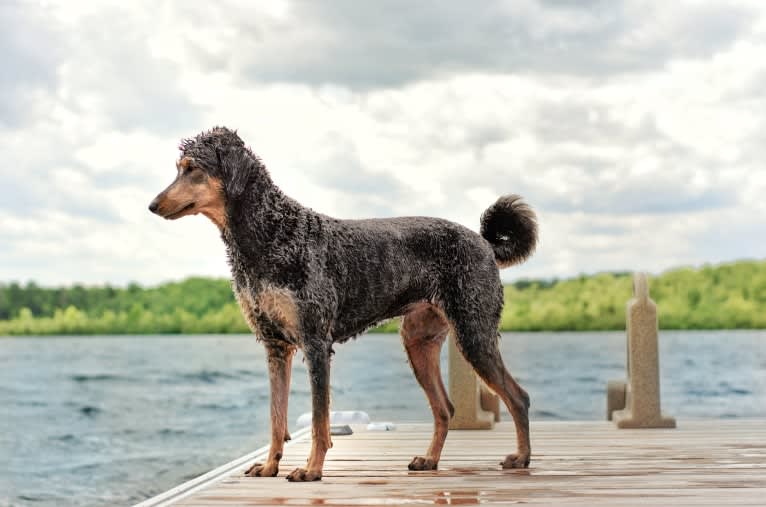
{"x": 153, "y": 206}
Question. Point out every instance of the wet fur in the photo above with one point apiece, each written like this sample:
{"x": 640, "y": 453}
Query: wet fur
{"x": 306, "y": 280}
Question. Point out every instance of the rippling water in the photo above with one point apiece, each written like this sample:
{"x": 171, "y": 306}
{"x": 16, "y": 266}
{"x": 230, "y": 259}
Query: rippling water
{"x": 113, "y": 420}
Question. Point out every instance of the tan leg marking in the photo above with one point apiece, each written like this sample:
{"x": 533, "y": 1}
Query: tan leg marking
{"x": 515, "y": 398}
{"x": 424, "y": 330}
{"x": 318, "y": 362}
{"x": 320, "y": 444}
{"x": 499, "y": 380}
{"x": 280, "y": 359}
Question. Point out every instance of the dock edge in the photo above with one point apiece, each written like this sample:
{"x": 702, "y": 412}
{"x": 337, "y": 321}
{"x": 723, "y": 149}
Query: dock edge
{"x": 181, "y": 491}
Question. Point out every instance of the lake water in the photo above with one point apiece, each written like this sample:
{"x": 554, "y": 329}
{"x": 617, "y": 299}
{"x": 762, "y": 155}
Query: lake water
{"x": 113, "y": 420}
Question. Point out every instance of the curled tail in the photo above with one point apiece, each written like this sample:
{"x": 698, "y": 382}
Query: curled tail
{"x": 510, "y": 226}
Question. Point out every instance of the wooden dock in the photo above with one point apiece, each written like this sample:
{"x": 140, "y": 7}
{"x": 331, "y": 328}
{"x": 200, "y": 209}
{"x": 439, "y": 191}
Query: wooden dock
{"x": 702, "y": 462}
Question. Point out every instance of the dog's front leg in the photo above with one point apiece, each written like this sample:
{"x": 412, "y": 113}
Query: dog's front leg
{"x": 280, "y": 357}
{"x": 318, "y": 362}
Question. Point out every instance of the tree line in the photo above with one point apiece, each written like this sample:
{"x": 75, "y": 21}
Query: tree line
{"x": 728, "y": 296}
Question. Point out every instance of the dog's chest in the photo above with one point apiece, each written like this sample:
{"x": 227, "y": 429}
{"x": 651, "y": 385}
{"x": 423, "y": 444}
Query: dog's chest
{"x": 270, "y": 307}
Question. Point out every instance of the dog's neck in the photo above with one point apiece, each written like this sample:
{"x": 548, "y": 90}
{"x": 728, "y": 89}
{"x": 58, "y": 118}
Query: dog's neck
{"x": 261, "y": 221}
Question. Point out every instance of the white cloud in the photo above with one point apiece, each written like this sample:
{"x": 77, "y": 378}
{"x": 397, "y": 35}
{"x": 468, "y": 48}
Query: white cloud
{"x": 638, "y": 142}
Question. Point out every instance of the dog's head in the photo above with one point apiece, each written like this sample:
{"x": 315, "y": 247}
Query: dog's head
{"x": 205, "y": 173}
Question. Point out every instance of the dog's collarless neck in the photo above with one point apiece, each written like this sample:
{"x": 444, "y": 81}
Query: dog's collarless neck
{"x": 258, "y": 221}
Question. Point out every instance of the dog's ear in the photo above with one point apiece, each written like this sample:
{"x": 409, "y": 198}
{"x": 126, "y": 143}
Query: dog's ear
{"x": 218, "y": 157}
{"x": 235, "y": 173}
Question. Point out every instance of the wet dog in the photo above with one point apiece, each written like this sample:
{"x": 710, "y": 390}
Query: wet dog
{"x": 306, "y": 281}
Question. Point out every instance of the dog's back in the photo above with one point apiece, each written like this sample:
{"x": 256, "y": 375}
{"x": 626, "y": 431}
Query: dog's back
{"x": 379, "y": 267}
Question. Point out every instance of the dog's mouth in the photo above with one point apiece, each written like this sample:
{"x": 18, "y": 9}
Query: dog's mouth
{"x": 179, "y": 212}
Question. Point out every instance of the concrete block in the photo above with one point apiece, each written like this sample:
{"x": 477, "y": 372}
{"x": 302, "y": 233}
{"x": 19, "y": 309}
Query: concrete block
{"x": 476, "y": 407}
{"x": 642, "y": 390}
{"x": 615, "y": 397}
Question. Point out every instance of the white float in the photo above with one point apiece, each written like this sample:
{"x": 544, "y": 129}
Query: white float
{"x": 337, "y": 417}
{"x": 381, "y": 426}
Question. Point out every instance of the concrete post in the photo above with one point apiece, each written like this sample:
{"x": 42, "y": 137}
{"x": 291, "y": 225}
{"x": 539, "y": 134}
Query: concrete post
{"x": 476, "y": 407}
{"x": 636, "y": 404}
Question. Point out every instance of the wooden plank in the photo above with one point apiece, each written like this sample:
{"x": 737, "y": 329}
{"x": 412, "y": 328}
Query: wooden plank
{"x": 574, "y": 463}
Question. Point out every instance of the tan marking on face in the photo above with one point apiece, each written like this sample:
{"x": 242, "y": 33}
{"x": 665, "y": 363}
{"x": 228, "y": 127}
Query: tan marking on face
{"x": 213, "y": 203}
{"x": 184, "y": 163}
{"x": 193, "y": 193}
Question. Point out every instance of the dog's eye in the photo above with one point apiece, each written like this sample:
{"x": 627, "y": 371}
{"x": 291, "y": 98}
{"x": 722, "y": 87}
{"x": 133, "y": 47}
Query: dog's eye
{"x": 196, "y": 176}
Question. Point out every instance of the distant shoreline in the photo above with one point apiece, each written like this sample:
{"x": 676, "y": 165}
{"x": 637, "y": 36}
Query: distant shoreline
{"x": 723, "y": 297}
{"x": 372, "y": 331}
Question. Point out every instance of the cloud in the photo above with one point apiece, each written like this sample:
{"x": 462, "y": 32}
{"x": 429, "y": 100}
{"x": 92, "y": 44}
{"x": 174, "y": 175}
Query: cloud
{"x": 90, "y": 61}
{"x": 389, "y": 44}
{"x": 31, "y": 52}
{"x": 633, "y": 128}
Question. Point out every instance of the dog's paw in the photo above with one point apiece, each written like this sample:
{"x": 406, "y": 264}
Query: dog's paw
{"x": 420, "y": 463}
{"x": 303, "y": 475}
{"x": 516, "y": 461}
{"x": 268, "y": 469}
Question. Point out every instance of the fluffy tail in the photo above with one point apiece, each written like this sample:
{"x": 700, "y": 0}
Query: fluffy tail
{"x": 510, "y": 226}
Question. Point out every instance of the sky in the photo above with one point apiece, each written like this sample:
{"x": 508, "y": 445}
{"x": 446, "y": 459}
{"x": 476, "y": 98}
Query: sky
{"x": 635, "y": 129}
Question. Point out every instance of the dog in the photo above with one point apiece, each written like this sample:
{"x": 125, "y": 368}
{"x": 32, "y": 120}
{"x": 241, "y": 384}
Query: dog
{"x": 306, "y": 281}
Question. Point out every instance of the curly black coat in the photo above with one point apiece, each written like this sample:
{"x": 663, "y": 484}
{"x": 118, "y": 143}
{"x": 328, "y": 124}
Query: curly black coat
{"x": 306, "y": 280}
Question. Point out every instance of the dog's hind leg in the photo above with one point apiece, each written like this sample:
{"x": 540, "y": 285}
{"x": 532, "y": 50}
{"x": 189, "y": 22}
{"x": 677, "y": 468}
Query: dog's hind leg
{"x": 280, "y": 359}
{"x": 318, "y": 362}
{"x": 497, "y": 377}
{"x": 475, "y": 327}
{"x": 424, "y": 330}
